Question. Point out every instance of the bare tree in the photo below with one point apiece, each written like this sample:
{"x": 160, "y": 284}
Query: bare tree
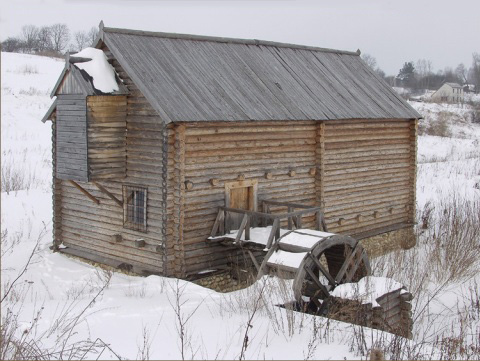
{"x": 92, "y": 35}
{"x": 369, "y": 60}
{"x": 11, "y": 45}
{"x": 461, "y": 72}
{"x": 60, "y": 36}
{"x": 372, "y": 63}
{"x": 475, "y": 71}
{"x": 429, "y": 69}
{"x": 81, "y": 40}
{"x": 29, "y": 36}
{"x": 44, "y": 38}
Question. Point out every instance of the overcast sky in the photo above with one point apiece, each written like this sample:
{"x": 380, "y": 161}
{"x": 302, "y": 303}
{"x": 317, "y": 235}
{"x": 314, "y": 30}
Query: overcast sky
{"x": 444, "y": 31}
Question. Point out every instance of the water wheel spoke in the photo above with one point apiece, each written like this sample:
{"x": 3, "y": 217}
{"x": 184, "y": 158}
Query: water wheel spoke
{"x": 353, "y": 269}
{"x": 347, "y": 263}
{"x": 317, "y": 282}
{"x": 322, "y": 269}
{"x": 316, "y": 301}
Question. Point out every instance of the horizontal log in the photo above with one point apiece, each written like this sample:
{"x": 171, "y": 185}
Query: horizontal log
{"x": 364, "y": 184}
{"x": 240, "y": 151}
{"x": 248, "y": 136}
{"x": 260, "y": 158}
{"x": 334, "y": 146}
{"x": 258, "y": 145}
{"x": 126, "y": 254}
{"x": 378, "y": 192}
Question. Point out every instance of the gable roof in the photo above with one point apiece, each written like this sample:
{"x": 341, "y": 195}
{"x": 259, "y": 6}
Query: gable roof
{"x": 83, "y": 81}
{"x": 454, "y": 85}
{"x": 200, "y": 78}
{"x": 51, "y": 112}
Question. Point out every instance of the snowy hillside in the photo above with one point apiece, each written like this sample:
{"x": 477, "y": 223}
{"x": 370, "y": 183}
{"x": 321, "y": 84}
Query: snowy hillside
{"x": 64, "y": 308}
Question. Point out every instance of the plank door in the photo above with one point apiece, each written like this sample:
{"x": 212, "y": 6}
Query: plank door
{"x": 239, "y": 195}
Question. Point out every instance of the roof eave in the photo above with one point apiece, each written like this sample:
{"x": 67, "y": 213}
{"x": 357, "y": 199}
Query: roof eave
{"x": 50, "y": 112}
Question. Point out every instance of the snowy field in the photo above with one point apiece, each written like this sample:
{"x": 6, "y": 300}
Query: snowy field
{"x": 60, "y": 307}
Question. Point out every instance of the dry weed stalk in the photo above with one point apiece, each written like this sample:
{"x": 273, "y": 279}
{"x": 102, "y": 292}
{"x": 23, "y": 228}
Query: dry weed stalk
{"x": 178, "y": 304}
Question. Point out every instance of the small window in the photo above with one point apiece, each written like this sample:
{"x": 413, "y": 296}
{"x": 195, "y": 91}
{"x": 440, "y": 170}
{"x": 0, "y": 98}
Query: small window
{"x": 135, "y": 208}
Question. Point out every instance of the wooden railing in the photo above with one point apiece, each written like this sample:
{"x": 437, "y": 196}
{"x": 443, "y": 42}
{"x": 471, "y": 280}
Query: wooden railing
{"x": 251, "y": 219}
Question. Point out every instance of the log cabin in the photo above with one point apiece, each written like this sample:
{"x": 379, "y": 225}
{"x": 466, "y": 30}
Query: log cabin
{"x": 204, "y": 135}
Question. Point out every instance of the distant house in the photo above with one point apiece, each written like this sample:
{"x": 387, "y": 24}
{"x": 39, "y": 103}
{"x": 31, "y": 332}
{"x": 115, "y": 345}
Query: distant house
{"x": 190, "y": 124}
{"x": 449, "y": 93}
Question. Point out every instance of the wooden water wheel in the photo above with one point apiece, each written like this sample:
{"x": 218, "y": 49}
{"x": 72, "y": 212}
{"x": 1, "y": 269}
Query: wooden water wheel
{"x": 346, "y": 261}
{"x": 323, "y": 263}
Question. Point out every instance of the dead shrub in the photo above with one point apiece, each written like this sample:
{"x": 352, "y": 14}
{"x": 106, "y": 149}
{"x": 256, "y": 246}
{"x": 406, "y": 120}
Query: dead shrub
{"x": 440, "y": 127}
{"x": 27, "y": 69}
{"x": 454, "y": 240}
{"x": 426, "y": 215}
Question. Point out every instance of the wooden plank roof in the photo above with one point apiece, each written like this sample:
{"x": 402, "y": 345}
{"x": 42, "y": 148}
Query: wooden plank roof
{"x": 199, "y": 78}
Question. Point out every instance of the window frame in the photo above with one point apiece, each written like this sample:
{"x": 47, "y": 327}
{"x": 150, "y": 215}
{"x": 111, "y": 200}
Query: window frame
{"x": 135, "y": 221}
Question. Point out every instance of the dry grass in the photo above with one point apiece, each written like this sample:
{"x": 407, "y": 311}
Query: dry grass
{"x": 445, "y": 257}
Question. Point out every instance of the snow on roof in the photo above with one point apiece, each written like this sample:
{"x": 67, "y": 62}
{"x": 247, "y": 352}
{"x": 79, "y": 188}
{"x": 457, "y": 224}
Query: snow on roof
{"x": 367, "y": 290}
{"x": 99, "y": 69}
{"x": 304, "y": 237}
{"x": 289, "y": 259}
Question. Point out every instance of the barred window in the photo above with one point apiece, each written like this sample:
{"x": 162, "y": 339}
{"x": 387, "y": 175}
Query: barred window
{"x": 135, "y": 208}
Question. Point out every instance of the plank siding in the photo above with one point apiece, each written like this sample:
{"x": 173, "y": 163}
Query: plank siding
{"x": 136, "y": 160}
{"x": 70, "y": 85}
{"x": 368, "y": 174}
{"x": 71, "y": 138}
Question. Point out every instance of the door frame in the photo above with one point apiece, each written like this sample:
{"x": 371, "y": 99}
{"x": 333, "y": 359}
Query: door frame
{"x": 248, "y": 183}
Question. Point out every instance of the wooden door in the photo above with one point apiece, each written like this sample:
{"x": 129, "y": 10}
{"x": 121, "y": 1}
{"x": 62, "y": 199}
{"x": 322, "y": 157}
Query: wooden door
{"x": 240, "y": 198}
{"x": 239, "y": 195}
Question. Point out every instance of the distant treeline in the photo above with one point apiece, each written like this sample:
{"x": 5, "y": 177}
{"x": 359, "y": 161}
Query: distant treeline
{"x": 56, "y": 39}
{"x": 52, "y": 40}
{"x": 420, "y": 75}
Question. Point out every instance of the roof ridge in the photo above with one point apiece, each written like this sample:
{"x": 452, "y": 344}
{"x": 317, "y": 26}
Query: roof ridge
{"x": 225, "y": 40}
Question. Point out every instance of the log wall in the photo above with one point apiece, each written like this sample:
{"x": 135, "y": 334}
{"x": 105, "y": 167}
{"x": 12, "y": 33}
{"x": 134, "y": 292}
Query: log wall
{"x": 364, "y": 175}
{"x": 368, "y": 174}
{"x": 225, "y": 151}
{"x": 361, "y": 171}
{"x": 107, "y": 126}
{"x": 84, "y": 225}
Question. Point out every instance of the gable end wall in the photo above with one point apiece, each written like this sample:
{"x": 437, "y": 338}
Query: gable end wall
{"x": 87, "y": 227}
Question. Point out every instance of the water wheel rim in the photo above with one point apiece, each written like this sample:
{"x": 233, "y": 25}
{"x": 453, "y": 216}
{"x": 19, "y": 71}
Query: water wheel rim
{"x": 318, "y": 249}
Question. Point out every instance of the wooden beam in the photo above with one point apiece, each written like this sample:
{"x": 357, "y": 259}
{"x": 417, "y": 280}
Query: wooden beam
{"x": 276, "y": 224}
{"x": 247, "y": 229}
{"x": 216, "y": 225}
{"x": 347, "y": 262}
{"x": 311, "y": 210}
{"x": 104, "y": 190}
{"x": 286, "y": 204}
{"x": 93, "y": 199}
{"x": 242, "y": 228}
{"x": 254, "y": 260}
{"x": 317, "y": 282}
{"x": 322, "y": 269}
{"x": 356, "y": 264}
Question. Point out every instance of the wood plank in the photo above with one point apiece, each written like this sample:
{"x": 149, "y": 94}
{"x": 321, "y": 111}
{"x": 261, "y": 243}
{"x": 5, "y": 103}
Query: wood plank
{"x": 110, "y": 195}
{"x": 81, "y": 189}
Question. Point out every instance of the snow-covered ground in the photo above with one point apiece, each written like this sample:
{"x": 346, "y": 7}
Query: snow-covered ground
{"x": 59, "y": 301}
